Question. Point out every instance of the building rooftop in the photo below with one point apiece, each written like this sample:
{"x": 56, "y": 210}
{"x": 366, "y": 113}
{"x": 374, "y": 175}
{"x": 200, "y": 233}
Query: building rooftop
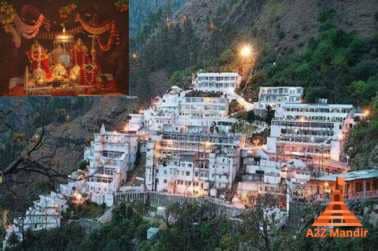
{"x": 217, "y": 74}
{"x": 354, "y": 175}
{"x": 203, "y": 94}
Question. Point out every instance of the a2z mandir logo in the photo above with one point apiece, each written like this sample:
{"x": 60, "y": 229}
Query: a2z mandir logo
{"x": 337, "y": 221}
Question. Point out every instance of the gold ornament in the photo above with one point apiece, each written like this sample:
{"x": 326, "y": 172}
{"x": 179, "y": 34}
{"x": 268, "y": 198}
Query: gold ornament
{"x": 59, "y": 72}
{"x": 75, "y": 73}
{"x": 39, "y": 76}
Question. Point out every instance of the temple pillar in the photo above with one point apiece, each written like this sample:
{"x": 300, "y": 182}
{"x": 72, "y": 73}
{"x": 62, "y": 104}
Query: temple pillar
{"x": 364, "y": 188}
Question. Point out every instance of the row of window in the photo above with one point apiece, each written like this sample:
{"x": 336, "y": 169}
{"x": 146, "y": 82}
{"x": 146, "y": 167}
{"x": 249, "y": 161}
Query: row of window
{"x": 282, "y": 90}
{"x": 217, "y": 84}
{"x": 303, "y": 124}
{"x": 328, "y": 133}
{"x": 279, "y": 99}
{"x": 359, "y": 186}
{"x": 318, "y": 109}
{"x": 228, "y": 78}
{"x": 188, "y": 183}
{"x": 101, "y": 179}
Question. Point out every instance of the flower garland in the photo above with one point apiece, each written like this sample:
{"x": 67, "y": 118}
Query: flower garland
{"x": 26, "y": 30}
{"x": 114, "y": 38}
{"x": 99, "y": 30}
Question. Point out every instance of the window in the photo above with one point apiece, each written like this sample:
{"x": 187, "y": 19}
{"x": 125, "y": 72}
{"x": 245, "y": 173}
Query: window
{"x": 358, "y": 187}
{"x": 375, "y": 184}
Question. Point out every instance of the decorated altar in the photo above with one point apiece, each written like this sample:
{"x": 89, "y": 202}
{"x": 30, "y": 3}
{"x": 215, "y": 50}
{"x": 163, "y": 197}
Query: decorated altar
{"x": 63, "y": 57}
{"x": 70, "y": 65}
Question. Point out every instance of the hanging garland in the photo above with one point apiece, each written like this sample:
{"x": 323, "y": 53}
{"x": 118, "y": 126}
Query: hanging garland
{"x": 13, "y": 24}
{"x": 26, "y": 30}
{"x": 113, "y": 38}
{"x": 99, "y": 30}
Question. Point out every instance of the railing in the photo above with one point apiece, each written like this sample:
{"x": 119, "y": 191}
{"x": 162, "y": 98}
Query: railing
{"x": 163, "y": 199}
{"x": 349, "y": 196}
{"x": 362, "y": 195}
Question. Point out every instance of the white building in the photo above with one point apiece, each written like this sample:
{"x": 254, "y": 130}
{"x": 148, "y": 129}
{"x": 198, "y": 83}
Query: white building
{"x": 163, "y": 111}
{"x": 44, "y": 214}
{"x": 135, "y": 123}
{"x": 192, "y": 164}
{"x": 310, "y": 131}
{"x": 76, "y": 183}
{"x": 264, "y": 170}
{"x": 187, "y": 111}
{"x": 295, "y": 171}
{"x": 275, "y": 96}
{"x": 225, "y": 82}
{"x": 199, "y": 112}
{"x": 110, "y": 156}
{"x": 260, "y": 176}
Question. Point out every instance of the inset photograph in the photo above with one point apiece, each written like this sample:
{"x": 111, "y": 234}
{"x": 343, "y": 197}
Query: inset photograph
{"x": 63, "y": 48}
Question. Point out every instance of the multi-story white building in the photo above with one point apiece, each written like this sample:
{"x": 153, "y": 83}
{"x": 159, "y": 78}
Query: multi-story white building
{"x": 110, "y": 156}
{"x": 311, "y": 131}
{"x": 275, "y": 96}
{"x": 193, "y": 164}
{"x": 44, "y": 214}
{"x": 199, "y": 112}
{"x": 225, "y": 82}
{"x": 188, "y": 111}
{"x": 260, "y": 177}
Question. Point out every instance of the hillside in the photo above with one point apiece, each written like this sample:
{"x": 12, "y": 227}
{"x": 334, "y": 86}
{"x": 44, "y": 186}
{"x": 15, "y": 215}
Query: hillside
{"x": 69, "y": 124}
{"x": 141, "y": 10}
{"x": 274, "y": 27}
{"x": 281, "y": 24}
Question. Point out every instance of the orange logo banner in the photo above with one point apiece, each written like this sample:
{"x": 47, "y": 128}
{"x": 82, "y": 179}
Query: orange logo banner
{"x": 337, "y": 214}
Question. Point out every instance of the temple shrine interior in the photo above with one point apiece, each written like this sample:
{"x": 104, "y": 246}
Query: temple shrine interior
{"x": 63, "y": 48}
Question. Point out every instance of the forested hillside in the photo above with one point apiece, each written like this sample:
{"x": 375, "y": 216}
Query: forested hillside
{"x": 141, "y": 10}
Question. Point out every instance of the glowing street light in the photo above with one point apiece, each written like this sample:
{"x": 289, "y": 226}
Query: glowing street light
{"x": 246, "y": 51}
{"x": 366, "y": 113}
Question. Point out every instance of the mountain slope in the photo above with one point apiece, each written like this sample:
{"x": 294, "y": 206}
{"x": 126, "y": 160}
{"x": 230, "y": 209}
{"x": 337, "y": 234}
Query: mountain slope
{"x": 141, "y": 10}
{"x": 274, "y": 27}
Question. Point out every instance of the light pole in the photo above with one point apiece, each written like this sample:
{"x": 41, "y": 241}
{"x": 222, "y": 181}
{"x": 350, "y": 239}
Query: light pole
{"x": 366, "y": 114}
{"x": 245, "y": 54}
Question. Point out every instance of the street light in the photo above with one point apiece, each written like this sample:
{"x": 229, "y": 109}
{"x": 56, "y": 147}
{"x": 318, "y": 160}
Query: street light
{"x": 366, "y": 113}
{"x": 246, "y": 51}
